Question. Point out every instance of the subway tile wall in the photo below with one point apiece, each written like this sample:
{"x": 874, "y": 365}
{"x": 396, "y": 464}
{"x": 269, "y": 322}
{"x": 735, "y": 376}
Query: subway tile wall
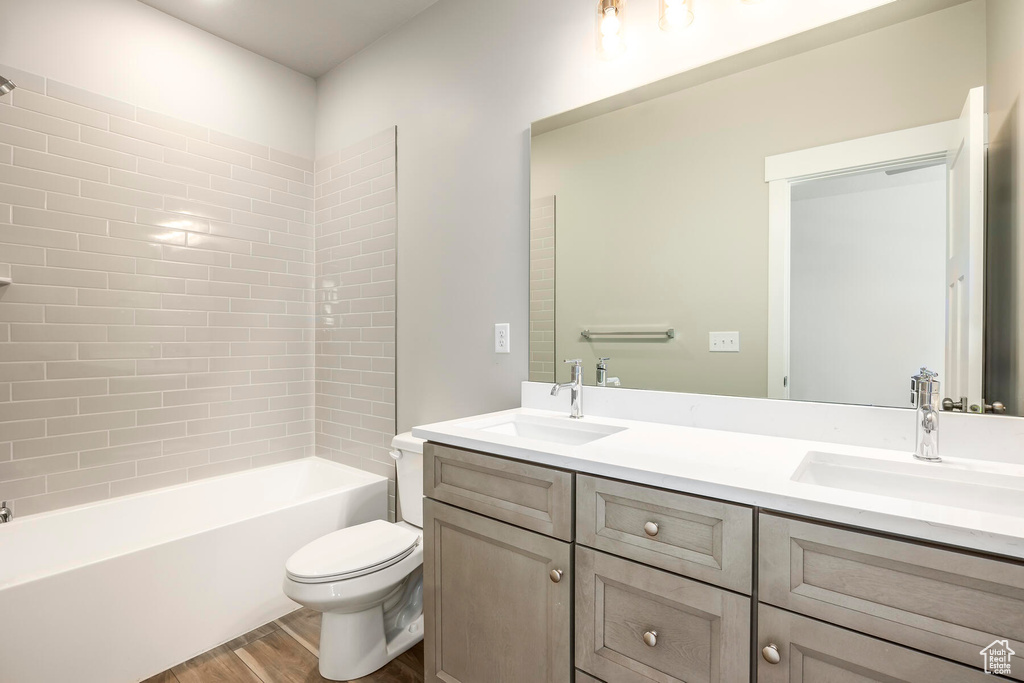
{"x": 542, "y": 289}
{"x": 355, "y": 305}
{"x": 159, "y": 327}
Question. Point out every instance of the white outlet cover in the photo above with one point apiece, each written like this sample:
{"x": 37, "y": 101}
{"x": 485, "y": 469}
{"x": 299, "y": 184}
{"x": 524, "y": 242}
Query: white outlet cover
{"x": 502, "y": 342}
{"x": 724, "y": 342}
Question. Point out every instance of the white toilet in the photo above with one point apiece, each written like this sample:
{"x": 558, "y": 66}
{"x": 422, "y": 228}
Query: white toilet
{"x": 367, "y": 580}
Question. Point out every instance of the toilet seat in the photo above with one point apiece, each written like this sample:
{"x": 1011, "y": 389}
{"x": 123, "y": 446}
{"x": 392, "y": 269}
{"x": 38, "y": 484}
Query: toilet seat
{"x": 351, "y": 552}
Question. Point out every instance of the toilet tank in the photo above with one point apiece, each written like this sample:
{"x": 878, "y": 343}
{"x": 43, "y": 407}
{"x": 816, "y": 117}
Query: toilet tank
{"x": 407, "y": 451}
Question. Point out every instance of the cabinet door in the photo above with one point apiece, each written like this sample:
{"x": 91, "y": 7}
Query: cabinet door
{"x": 635, "y": 624}
{"x": 496, "y": 608}
{"x": 810, "y": 651}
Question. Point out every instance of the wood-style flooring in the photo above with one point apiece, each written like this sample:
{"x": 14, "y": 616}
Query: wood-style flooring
{"x": 283, "y": 651}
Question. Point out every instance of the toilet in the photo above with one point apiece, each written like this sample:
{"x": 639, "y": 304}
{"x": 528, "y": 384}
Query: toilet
{"x": 367, "y": 580}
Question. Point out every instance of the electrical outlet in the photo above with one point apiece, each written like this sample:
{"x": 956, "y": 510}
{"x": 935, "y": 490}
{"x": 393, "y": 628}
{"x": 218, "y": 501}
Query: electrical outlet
{"x": 724, "y": 342}
{"x": 502, "y": 343}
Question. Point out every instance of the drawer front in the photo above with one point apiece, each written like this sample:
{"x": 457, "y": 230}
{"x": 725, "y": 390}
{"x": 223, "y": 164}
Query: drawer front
{"x": 533, "y": 497}
{"x": 943, "y": 602}
{"x": 635, "y": 623}
{"x": 582, "y": 677}
{"x": 492, "y": 610}
{"x": 811, "y": 651}
{"x": 709, "y": 540}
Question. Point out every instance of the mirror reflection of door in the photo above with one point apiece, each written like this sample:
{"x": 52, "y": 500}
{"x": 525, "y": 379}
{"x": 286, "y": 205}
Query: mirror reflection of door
{"x": 888, "y": 229}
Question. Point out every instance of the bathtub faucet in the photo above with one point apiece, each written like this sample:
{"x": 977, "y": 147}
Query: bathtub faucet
{"x": 6, "y": 514}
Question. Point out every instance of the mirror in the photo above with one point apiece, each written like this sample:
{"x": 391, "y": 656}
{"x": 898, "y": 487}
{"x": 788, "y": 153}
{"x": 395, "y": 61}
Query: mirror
{"x": 808, "y": 221}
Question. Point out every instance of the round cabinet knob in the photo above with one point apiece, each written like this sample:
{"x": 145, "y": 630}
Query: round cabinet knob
{"x": 651, "y": 529}
{"x": 556, "y": 575}
{"x": 651, "y": 638}
{"x": 771, "y": 654}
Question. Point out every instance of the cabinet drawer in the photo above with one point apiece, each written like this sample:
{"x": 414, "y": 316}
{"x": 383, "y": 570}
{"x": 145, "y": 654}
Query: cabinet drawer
{"x": 706, "y": 539}
{"x": 811, "y": 651}
{"x": 530, "y": 496}
{"x": 635, "y": 623}
{"x": 943, "y": 602}
{"x": 493, "y": 609}
{"x": 582, "y": 677}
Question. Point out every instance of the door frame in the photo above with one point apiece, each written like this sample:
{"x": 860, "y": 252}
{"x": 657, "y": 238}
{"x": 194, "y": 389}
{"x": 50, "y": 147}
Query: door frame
{"x": 782, "y": 171}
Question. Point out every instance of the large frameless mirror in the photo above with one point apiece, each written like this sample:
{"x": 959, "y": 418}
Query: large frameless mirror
{"x": 815, "y": 220}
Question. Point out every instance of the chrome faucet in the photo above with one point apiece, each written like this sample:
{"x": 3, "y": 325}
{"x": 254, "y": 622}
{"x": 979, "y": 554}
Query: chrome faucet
{"x": 6, "y": 514}
{"x": 924, "y": 397}
{"x": 576, "y": 385}
{"x": 603, "y": 380}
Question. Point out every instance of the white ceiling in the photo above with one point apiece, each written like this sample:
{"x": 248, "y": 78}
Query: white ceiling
{"x": 310, "y": 36}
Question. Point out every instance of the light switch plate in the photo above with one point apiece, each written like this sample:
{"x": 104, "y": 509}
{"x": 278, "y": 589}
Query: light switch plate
{"x": 724, "y": 342}
{"x": 502, "y": 343}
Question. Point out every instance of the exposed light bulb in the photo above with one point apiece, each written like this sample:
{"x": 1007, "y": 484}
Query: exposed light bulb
{"x": 610, "y": 25}
{"x": 675, "y": 14}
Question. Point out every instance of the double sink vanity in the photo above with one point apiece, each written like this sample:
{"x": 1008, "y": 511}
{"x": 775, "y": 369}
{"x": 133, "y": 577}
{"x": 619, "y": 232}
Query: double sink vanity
{"x": 601, "y": 549}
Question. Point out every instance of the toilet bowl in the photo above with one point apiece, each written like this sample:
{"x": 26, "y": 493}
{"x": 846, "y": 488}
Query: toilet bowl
{"x": 367, "y": 580}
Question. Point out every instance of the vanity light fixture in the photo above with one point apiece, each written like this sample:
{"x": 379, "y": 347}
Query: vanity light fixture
{"x": 675, "y": 14}
{"x": 610, "y": 27}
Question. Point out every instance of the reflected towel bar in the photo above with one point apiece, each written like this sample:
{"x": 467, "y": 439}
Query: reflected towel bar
{"x": 670, "y": 333}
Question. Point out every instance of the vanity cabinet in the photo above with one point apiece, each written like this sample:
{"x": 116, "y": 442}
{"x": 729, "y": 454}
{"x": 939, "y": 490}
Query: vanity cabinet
{"x": 945, "y": 602}
{"x": 497, "y": 601}
{"x": 796, "y": 649}
{"x": 637, "y": 624}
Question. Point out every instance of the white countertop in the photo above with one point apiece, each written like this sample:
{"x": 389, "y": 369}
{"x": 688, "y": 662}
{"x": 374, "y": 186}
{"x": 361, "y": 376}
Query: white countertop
{"x": 753, "y": 470}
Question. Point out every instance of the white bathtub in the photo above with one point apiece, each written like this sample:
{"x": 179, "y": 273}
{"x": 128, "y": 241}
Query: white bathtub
{"x": 116, "y": 591}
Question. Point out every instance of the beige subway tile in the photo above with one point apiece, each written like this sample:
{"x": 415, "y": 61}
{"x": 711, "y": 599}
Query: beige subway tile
{"x": 23, "y": 138}
{"x": 121, "y": 437}
{"x": 40, "y": 180}
{"x": 196, "y": 163}
{"x": 119, "y": 454}
{"x": 172, "y": 414}
{"x": 240, "y": 145}
{"x": 61, "y": 277}
{"x": 56, "y": 258}
{"x": 90, "y": 207}
{"x": 169, "y": 463}
{"x": 218, "y": 469}
{"x": 260, "y": 178}
{"x": 89, "y": 476}
{"x": 21, "y": 488}
{"x": 31, "y": 448}
{"x": 39, "y": 237}
{"x": 225, "y": 244}
{"x": 40, "y": 161}
{"x": 148, "y": 233}
{"x": 74, "y": 315}
{"x": 171, "y": 269}
{"x": 145, "y": 283}
{"x": 26, "y": 99}
{"x": 148, "y": 133}
{"x": 15, "y": 254}
{"x": 36, "y": 467}
{"x": 178, "y": 174}
{"x": 89, "y": 368}
{"x": 90, "y": 153}
{"x": 187, "y": 444}
{"x": 15, "y": 411}
{"x": 57, "y": 221}
{"x": 172, "y": 318}
{"x": 104, "y": 350}
{"x": 22, "y": 196}
{"x": 27, "y": 391}
{"x": 114, "y": 298}
{"x": 224, "y": 154}
{"x": 121, "y": 143}
{"x": 192, "y": 396}
{"x": 147, "y": 183}
{"x": 118, "y": 247}
{"x": 192, "y": 208}
{"x": 238, "y": 187}
{"x": 85, "y": 423}
{"x": 122, "y": 195}
{"x": 195, "y": 349}
{"x": 118, "y": 333}
{"x": 218, "y": 379}
{"x": 171, "y": 366}
{"x": 135, "y": 385}
{"x": 91, "y": 100}
{"x": 147, "y": 483}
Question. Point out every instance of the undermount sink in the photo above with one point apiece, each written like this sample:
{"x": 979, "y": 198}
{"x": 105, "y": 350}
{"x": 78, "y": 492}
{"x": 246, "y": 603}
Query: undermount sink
{"x": 996, "y": 489}
{"x": 552, "y": 430}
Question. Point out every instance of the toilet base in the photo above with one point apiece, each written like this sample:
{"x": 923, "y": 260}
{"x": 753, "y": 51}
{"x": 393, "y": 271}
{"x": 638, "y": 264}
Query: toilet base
{"x": 353, "y": 645}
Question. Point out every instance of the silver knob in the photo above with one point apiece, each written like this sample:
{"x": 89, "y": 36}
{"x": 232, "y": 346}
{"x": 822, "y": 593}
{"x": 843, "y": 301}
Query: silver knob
{"x": 651, "y": 638}
{"x": 556, "y": 575}
{"x": 771, "y": 654}
{"x": 949, "y": 404}
{"x": 651, "y": 529}
{"x": 997, "y": 407}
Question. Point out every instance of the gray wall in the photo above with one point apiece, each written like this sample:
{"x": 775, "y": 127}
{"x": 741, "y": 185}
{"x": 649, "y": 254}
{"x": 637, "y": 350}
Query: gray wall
{"x": 463, "y": 81}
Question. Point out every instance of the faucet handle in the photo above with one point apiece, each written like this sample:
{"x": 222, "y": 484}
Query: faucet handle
{"x": 575, "y": 361}
{"x": 603, "y": 360}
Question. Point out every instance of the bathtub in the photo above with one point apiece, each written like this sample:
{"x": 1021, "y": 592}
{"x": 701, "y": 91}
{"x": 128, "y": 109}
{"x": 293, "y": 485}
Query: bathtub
{"x": 119, "y": 590}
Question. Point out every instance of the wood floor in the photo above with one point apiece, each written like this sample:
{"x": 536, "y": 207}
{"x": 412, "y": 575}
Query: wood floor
{"x": 283, "y": 651}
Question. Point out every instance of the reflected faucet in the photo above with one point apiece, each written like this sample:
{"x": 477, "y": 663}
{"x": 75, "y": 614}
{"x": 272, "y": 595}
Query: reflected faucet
{"x": 576, "y": 385}
{"x": 603, "y": 380}
{"x": 925, "y": 398}
{"x": 6, "y": 514}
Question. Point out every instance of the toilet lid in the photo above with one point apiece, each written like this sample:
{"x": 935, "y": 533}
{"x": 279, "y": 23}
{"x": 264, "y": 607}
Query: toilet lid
{"x": 351, "y": 550}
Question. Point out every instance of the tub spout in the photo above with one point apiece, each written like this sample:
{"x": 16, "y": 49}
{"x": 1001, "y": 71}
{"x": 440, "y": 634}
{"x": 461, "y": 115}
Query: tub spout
{"x": 6, "y": 514}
